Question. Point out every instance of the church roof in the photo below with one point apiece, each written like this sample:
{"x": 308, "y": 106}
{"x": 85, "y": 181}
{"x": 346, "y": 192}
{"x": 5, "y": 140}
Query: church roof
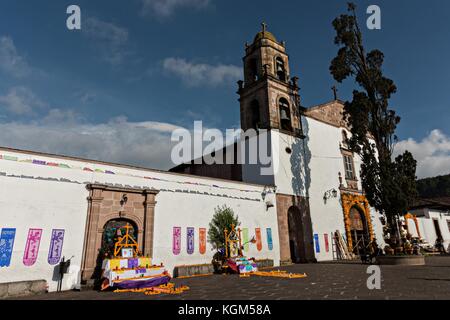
{"x": 264, "y": 35}
{"x": 329, "y": 113}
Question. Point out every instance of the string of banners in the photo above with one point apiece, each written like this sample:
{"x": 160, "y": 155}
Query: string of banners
{"x": 32, "y": 244}
{"x": 88, "y": 169}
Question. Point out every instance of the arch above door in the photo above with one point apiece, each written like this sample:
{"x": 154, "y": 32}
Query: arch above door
{"x": 106, "y": 203}
{"x": 360, "y": 202}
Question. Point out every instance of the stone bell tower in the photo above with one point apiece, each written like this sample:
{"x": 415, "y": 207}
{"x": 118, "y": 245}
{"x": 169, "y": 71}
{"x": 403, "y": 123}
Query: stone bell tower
{"x": 269, "y": 97}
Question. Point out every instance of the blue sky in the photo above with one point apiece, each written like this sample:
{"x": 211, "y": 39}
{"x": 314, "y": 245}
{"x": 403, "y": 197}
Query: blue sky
{"x": 140, "y": 68}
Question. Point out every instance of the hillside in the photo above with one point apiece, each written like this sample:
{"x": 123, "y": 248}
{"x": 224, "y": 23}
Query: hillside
{"x": 434, "y": 187}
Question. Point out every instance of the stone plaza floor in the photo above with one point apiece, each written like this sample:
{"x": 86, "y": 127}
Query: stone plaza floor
{"x": 325, "y": 280}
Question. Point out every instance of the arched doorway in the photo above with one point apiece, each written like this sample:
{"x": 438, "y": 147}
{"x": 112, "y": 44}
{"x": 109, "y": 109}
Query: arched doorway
{"x": 358, "y": 229}
{"x": 114, "y": 229}
{"x": 296, "y": 239}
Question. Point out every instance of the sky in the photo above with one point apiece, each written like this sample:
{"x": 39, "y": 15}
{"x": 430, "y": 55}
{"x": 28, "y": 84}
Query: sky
{"x": 138, "y": 69}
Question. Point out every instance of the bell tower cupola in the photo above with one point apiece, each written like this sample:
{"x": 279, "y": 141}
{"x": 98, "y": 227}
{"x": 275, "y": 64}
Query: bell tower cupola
{"x": 269, "y": 97}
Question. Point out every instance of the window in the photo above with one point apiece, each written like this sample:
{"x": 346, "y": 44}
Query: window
{"x": 349, "y": 168}
{"x": 448, "y": 225}
{"x": 253, "y": 69}
{"x": 254, "y": 109}
{"x": 285, "y": 115}
{"x": 280, "y": 70}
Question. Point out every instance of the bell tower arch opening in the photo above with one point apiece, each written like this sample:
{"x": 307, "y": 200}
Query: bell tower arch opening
{"x": 280, "y": 69}
{"x": 285, "y": 115}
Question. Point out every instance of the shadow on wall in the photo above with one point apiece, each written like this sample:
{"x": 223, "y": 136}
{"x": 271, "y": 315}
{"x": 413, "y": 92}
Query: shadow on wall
{"x": 300, "y": 164}
{"x": 301, "y": 182}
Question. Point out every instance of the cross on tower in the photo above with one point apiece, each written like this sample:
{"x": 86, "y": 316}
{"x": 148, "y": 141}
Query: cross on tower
{"x": 334, "y": 92}
{"x": 264, "y": 26}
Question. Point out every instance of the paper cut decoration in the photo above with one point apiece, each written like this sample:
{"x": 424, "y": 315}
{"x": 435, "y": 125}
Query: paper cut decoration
{"x": 202, "y": 240}
{"x": 245, "y": 239}
{"x": 32, "y": 247}
{"x": 64, "y": 165}
{"x": 316, "y": 241}
{"x": 190, "y": 240}
{"x": 176, "y": 245}
{"x": 133, "y": 263}
{"x": 56, "y": 244}
{"x": 258, "y": 239}
{"x": 6, "y": 246}
{"x": 327, "y": 246}
{"x": 269, "y": 238}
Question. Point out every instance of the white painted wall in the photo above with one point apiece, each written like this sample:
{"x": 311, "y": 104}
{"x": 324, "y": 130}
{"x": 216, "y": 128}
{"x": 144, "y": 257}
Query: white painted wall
{"x": 426, "y": 225}
{"x": 62, "y": 204}
{"x": 26, "y": 203}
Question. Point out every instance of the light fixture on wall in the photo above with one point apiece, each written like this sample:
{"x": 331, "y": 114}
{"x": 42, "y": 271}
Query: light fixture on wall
{"x": 123, "y": 200}
{"x": 332, "y": 193}
{"x": 266, "y": 191}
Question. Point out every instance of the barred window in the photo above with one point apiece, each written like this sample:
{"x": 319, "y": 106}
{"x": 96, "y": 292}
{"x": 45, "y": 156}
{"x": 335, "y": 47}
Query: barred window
{"x": 349, "y": 168}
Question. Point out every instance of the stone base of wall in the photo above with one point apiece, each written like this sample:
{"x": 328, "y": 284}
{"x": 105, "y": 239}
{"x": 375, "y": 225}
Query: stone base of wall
{"x": 192, "y": 270}
{"x": 22, "y": 288}
{"x": 286, "y": 262}
{"x": 199, "y": 269}
{"x": 402, "y": 260}
{"x": 264, "y": 263}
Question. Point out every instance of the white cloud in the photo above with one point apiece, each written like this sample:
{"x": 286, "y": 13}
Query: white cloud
{"x": 11, "y": 62}
{"x": 432, "y": 153}
{"x": 165, "y": 8}
{"x": 20, "y": 101}
{"x": 117, "y": 140}
{"x": 194, "y": 74}
{"x": 110, "y": 39}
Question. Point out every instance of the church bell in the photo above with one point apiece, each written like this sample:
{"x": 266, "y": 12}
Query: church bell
{"x": 283, "y": 115}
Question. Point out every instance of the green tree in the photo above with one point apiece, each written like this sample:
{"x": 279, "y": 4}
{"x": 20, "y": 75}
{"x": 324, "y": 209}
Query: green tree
{"x": 389, "y": 185}
{"x": 223, "y": 218}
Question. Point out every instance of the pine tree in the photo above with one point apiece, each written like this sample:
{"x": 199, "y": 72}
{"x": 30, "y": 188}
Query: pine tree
{"x": 389, "y": 185}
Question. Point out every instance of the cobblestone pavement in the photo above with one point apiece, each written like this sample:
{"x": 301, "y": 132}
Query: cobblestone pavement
{"x": 324, "y": 281}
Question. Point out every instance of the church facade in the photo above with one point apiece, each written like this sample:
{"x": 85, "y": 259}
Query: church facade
{"x": 54, "y": 206}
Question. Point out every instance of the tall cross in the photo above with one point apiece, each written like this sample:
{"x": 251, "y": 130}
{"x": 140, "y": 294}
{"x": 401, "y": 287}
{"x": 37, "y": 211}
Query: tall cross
{"x": 264, "y": 26}
{"x": 334, "y": 92}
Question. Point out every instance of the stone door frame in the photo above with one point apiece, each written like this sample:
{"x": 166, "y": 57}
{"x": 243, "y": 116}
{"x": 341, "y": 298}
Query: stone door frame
{"x": 284, "y": 202}
{"x": 350, "y": 200}
{"x": 100, "y": 210}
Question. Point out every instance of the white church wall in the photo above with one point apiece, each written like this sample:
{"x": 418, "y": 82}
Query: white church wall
{"x": 46, "y": 205}
{"x": 319, "y": 154}
{"x": 181, "y": 202}
{"x": 192, "y": 212}
{"x": 324, "y": 165}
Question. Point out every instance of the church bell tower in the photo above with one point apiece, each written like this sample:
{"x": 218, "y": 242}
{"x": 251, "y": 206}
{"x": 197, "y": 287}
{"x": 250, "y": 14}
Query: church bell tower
{"x": 269, "y": 97}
